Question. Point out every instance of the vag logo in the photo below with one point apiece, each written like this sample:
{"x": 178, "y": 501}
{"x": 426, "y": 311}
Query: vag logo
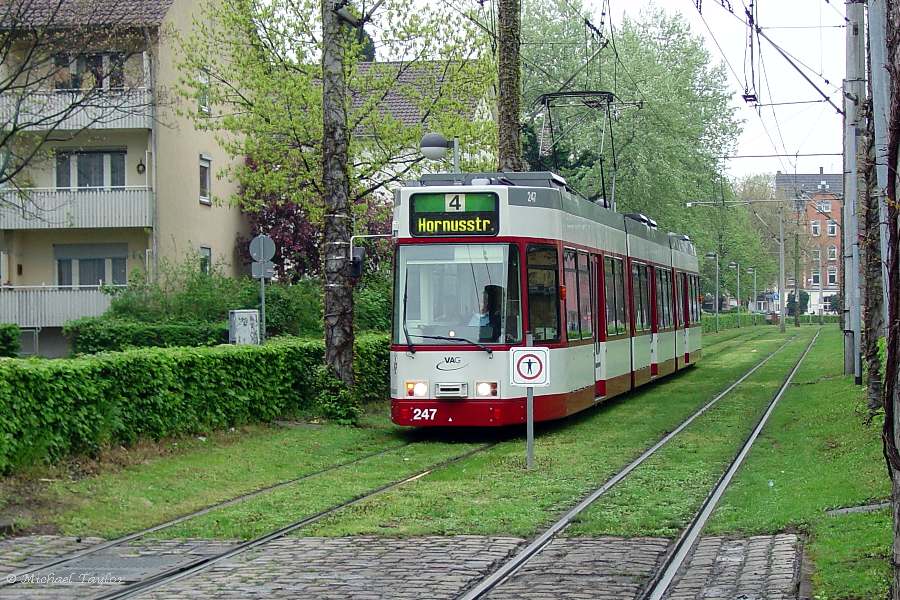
{"x": 451, "y": 363}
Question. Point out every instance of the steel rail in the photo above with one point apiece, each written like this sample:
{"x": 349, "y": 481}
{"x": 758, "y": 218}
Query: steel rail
{"x": 510, "y": 567}
{"x": 180, "y": 572}
{"x": 18, "y": 576}
{"x": 666, "y": 573}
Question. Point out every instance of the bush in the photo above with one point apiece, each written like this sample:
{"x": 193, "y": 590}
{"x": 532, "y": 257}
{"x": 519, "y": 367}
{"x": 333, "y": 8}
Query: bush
{"x": 55, "y": 408}
{"x": 373, "y": 303}
{"x": 294, "y": 309}
{"x": 9, "y": 339}
{"x": 99, "y": 334}
{"x": 334, "y": 400}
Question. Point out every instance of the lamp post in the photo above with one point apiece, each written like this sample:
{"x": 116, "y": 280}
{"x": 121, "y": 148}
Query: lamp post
{"x": 753, "y": 271}
{"x": 737, "y": 267}
{"x": 716, "y": 301}
{"x": 434, "y": 146}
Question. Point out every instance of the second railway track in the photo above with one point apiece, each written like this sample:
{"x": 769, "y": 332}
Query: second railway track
{"x": 664, "y": 575}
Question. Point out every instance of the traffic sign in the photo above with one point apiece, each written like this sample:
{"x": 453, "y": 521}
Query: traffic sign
{"x": 262, "y": 269}
{"x": 530, "y": 367}
{"x": 262, "y": 248}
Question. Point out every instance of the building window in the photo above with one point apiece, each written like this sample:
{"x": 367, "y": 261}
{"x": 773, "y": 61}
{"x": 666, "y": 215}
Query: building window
{"x": 816, "y": 277}
{"x": 119, "y": 271}
{"x": 92, "y": 271}
{"x": 832, "y": 276}
{"x": 203, "y": 91}
{"x": 95, "y": 70}
{"x": 815, "y": 227}
{"x": 832, "y": 228}
{"x": 205, "y": 259}
{"x": 832, "y": 252}
{"x": 816, "y": 255}
{"x": 94, "y": 169}
{"x": 823, "y": 206}
{"x": 64, "y": 272}
{"x": 205, "y": 164}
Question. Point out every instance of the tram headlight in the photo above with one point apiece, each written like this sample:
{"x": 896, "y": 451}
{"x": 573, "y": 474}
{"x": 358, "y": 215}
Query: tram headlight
{"x": 418, "y": 389}
{"x": 486, "y": 389}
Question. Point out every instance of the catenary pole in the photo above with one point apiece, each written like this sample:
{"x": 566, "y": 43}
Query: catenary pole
{"x": 854, "y": 93}
{"x": 881, "y": 87}
{"x": 782, "y": 298}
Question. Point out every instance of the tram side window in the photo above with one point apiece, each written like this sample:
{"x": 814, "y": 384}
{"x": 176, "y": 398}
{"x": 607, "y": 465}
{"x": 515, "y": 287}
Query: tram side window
{"x": 694, "y": 291}
{"x": 679, "y": 298}
{"x": 663, "y": 298}
{"x": 640, "y": 283}
{"x": 616, "y": 309}
{"x": 570, "y": 280}
{"x": 543, "y": 293}
{"x": 585, "y": 296}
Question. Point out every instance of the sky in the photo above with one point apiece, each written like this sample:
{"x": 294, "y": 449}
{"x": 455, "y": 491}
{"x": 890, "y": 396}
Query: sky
{"x": 810, "y": 30}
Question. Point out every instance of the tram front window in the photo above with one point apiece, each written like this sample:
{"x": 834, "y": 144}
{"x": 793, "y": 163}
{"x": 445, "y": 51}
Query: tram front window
{"x": 465, "y": 291}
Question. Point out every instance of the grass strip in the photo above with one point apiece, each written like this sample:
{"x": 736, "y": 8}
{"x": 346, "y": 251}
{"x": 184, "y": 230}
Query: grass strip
{"x": 281, "y": 507}
{"x": 662, "y": 495}
{"x": 491, "y": 493}
{"x": 115, "y": 503}
{"x": 818, "y": 453}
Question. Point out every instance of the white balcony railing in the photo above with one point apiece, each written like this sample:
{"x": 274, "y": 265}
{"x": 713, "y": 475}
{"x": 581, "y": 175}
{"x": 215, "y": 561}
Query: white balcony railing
{"x": 77, "y": 110}
{"x": 42, "y": 208}
{"x": 49, "y": 306}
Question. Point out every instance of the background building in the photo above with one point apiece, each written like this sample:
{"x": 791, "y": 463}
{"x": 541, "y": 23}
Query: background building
{"x": 121, "y": 185}
{"x": 819, "y": 198}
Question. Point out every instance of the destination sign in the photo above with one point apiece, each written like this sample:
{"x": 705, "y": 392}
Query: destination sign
{"x": 456, "y": 214}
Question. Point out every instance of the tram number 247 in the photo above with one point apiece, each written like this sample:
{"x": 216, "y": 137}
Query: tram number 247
{"x": 424, "y": 414}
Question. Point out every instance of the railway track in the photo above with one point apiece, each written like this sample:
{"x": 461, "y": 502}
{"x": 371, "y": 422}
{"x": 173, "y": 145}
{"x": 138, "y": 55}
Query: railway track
{"x": 20, "y": 575}
{"x": 675, "y": 557}
{"x": 186, "y": 570}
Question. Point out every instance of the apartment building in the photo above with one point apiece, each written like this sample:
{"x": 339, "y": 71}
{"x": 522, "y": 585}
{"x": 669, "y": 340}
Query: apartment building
{"x": 819, "y": 198}
{"x": 123, "y": 184}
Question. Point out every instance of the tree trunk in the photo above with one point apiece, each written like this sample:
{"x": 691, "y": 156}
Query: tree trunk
{"x": 891, "y": 396}
{"x": 338, "y": 224}
{"x": 870, "y": 244}
{"x": 509, "y": 147}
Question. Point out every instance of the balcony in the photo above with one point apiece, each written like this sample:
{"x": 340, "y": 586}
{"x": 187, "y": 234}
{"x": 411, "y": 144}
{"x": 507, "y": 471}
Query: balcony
{"x": 72, "y": 110}
{"x": 49, "y": 306}
{"x": 42, "y": 208}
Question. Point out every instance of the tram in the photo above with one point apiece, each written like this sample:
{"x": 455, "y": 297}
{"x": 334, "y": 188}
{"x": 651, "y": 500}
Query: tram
{"x": 486, "y": 261}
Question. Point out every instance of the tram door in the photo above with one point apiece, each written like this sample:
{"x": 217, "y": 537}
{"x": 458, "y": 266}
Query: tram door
{"x": 654, "y": 319}
{"x": 598, "y": 310}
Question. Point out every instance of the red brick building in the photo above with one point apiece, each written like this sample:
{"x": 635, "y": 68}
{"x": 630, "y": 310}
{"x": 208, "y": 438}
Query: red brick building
{"x": 820, "y": 198}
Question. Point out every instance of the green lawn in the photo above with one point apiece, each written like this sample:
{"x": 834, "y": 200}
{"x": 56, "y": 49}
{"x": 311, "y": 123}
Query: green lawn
{"x": 661, "y": 496}
{"x": 492, "y": 494}
{"x": 817, "y": 453}
{"x": 140, "y": 495}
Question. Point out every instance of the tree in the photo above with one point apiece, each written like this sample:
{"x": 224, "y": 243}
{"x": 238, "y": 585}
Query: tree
{"x": 317, "y": 124}
{"x": 509, "y": 146}
{"x": 792, "y": 304}
{"x": 47, "y": 92}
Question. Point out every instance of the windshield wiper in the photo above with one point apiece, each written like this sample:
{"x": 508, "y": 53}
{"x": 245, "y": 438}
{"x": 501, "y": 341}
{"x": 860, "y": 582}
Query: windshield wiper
{"x": 456, "y": 339}
{"x": 409, "y": 344}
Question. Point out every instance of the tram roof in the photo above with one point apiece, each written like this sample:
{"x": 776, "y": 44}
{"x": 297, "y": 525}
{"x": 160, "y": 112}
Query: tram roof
{"x": 568, "y": 200}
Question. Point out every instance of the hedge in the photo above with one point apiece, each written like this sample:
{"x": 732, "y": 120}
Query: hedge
{"x": 101, "y": 334}
{"x": 55, "y": 408}
{"x": 9, "y": 339}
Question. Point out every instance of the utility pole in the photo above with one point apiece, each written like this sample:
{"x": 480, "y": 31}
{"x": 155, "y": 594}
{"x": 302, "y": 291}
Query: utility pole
{"x": 797, "y": 202}
{"x": 881, "y": 87}
{"x": 782, "y": 290}
{"x": 509, "y": 147}
{"x": 854, "y": 94}
{"x": 338, "y": 297}
{"x": 821, "y": 293}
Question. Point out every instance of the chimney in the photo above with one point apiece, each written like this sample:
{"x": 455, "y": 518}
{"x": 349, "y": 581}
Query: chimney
{"x": 821, "y": 170}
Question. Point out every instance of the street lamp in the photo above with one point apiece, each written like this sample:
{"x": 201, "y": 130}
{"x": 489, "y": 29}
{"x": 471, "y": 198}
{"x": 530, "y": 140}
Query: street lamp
{"x": 737, "y": 267}
{"x": 434, "y": 146}
{"x": 716, "y": 301}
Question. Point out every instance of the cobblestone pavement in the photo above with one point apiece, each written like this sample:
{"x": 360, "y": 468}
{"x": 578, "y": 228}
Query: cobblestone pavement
{"x": 20, "y": 552}
{"x": 604, "y": 568}
{"x": 764, "y": 567}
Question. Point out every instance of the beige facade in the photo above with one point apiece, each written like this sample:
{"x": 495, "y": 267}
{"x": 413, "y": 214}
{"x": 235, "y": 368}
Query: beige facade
{"x": 124, "y": 191}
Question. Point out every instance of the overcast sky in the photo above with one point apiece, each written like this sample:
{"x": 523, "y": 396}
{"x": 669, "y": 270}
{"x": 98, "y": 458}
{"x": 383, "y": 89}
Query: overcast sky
{"x": 795, "y": 26}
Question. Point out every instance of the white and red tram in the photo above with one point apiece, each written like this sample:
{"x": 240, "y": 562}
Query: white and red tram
{"x": 481, "y": 259}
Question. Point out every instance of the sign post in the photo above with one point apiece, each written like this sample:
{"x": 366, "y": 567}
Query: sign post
{"x": 530, "y": 368}
{"x": 262, "y": 249}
